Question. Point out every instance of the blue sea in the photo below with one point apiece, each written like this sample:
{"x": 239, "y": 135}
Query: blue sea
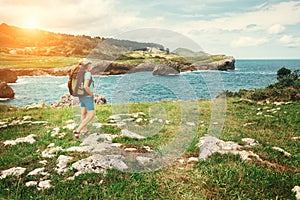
{"x": 144, "y": 87}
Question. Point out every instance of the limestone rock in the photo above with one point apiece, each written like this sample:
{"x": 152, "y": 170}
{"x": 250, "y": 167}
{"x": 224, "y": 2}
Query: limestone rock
{"x": 44, "y": 185}
{"x": 166, "y": 69}
{"x": 62, "y": 161}
{"x": 14, "y": 171}
{"x": 210, "y": 145}
{"x": 8, "y": 76}
{"x": 296, "y": 189}
{"x": 68, "y": 100}
{"x": 285, "y": 153}
{"x": 250, "y": 141}
{"x": 226, "y": 63}
{"x": 31, "y": 183}
{"x": 38, "y": 171}
{"x": 127, "y": 133}
{"x": 6, "y": 91}
{"x": 30, "y": 139}
{"x": 144, "y": 160}
{"x": 50, "y": 152}
{"x": 41, "y": 104}
{"x": 98, "y": 163}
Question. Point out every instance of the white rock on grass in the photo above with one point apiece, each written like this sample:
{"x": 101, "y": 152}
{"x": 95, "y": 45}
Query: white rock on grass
{"x": 30, "y": 139}
{"x": 250, "y": 141}
{"x": 193, "y": 159}
{"x": 50, "y": 152}
{"x": 62, "y": 161}
{"x": 282, "y": 151}
{"x": 31, "y": 183}
{"x": 14, "y": 171}
{"x": 296, "y": 189}
{"x": 97, "y": 125}
{"x": 295, "y": 138}
{"x": 44, "y": 185}
{"x": 43, "y": 162}
{"x": 98, "y": 163}
{"x": 71, "y": 127}
{"x": 127, "y": 133}
{"x": 144, "y": 160}
{"x": 210, "y": 145}
{"x": 130, "y": 149}
{"x": 80, "y": 149}
{"x": 107, "y": 137}
{"x": 38, "y": 171}
{"x": 191, "y": 124}
{"x": 147, "y": 148}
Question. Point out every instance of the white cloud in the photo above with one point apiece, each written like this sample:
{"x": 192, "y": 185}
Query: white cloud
{"x": 248, "y": 42}
{"x": 290, "y": 41}
{"x": 276, "y": 29}
{"x": 284, "y": 13}
{"x": 78, "y": 17}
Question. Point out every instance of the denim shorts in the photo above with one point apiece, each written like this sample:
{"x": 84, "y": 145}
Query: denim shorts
{"x": 87, "y": 102}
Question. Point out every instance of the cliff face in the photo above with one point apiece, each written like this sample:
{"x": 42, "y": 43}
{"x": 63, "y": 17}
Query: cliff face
{"x": 6, "y": 91}
{"x": 114, "y": 68}
{"x": 8, "y": 76}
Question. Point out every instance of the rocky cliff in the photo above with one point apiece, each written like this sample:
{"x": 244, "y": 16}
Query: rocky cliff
{"x": 6, "y": 91}
{"x": 116, "y": 68}
{"x": 8, "y": 76}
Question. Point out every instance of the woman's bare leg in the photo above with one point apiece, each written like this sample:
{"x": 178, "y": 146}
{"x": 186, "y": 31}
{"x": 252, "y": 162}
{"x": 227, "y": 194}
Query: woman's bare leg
{"x": 83, "y": 116}
{"x": 89, "y": 116}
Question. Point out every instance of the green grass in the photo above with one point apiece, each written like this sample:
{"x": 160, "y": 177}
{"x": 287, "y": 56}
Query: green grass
{"x": 219, "y": 177}
{"x": 30, "y": 61}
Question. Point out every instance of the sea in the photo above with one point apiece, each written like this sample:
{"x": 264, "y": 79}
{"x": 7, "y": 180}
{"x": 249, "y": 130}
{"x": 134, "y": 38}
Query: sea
{"x": 144, "y": 87}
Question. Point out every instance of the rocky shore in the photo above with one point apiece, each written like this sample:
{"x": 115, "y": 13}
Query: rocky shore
{"x": 116, "y": 68}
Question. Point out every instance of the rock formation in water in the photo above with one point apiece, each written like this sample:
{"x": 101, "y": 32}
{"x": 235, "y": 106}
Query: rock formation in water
{"x": 8, "y": 76}
{"x": 6, "y": 91}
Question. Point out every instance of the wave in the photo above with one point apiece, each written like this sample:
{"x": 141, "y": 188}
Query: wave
{"x": 64, "y": 85}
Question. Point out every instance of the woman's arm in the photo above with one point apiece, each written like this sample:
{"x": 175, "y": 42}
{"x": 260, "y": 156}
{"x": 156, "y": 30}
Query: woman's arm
{"x": 86, "y": 87}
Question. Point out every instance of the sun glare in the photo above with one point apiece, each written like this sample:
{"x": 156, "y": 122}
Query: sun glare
{"x": 31, "y": 23}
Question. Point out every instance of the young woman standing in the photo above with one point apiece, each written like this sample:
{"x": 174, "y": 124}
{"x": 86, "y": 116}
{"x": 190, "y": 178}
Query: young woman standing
{"x": 87, "y": 101}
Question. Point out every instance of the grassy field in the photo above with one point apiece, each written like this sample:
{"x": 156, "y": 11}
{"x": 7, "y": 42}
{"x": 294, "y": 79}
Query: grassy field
{"x": 30, "y": 61}
{"x": 218, "y": 177}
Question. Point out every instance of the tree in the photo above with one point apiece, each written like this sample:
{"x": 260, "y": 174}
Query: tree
{"x": 287, "y": 78}
{"x": 283, "y": 73}
{"x": 168, "y": 51}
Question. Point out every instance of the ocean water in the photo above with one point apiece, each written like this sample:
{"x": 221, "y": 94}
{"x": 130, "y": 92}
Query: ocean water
{"x": 144, "y": 87}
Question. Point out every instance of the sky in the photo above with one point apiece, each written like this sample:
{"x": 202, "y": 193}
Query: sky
{"x": 241, "y": 28}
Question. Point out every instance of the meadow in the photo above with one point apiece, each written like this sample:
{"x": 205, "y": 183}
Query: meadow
{"x": 218, "y": 177}
{"x": 16, "y": 61}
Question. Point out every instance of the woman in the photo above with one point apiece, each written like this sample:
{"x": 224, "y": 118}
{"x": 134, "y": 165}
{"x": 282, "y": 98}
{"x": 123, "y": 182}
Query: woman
{"x": 87, "y": 101}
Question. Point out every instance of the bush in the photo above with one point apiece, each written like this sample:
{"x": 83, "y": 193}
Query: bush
{"x": 287, "y": 88}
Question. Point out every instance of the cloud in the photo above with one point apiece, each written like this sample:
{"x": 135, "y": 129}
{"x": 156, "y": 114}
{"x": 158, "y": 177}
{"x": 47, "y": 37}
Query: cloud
{"x": 248, "y": 42}
{"x": 276, "y": 29}
{"x": 284, "y": 13}
{"x": 89, "y": 17}
{"x": 290, "y": 41}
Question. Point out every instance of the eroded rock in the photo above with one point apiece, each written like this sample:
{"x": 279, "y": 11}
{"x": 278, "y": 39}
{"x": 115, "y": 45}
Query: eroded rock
{"x": 210, "y": 145}
{"x": 62, "y": 161}
{"x": 30, "y": 139}
{"x": 98, "y": 163}
{"x": 127, "y": 133}
{"x": 14, "y": 171}
{"x": 6, "y": 91}
{"x": 296, "y": 189}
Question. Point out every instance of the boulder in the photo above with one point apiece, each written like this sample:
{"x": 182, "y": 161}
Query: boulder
{"x": 170, "y": 68}
{"x": 8, "y": 76}
{"x": 143, "y": 67}
{"x": 67, "y": 100}
{"x": 6, "y": 91}
{"x": 227, "y": 63}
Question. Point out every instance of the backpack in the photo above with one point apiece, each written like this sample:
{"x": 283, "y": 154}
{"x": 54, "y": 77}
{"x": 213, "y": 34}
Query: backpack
{"x": 76, "y": 83}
